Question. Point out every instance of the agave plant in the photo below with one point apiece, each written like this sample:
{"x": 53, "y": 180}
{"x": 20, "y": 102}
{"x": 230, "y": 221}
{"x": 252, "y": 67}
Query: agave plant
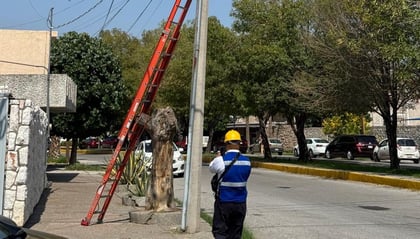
{"x": 135, "y": 175}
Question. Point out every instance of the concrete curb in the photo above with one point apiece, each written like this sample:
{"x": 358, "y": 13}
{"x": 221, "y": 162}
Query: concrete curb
{"x": 393, "y": 181}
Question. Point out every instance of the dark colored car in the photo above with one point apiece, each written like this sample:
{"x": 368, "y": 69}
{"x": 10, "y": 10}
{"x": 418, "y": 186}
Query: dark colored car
{"x": 351, "y": 146}
{"x": 9, "y": 229}
{"x": 110, "y": 142}
{"x": 89, "y": 143}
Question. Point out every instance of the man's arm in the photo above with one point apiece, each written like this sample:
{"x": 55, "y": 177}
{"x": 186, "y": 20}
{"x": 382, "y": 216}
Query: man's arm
{"x": 217, "y": 165}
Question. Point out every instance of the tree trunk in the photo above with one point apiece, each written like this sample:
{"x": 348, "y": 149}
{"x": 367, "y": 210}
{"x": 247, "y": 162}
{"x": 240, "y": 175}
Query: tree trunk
{"x": 209, "y": 143}
{"x": 299, "y": 131}
{"x": 54, "y": 147}
{"x": 160, "y": 194}
{"x": 391, "y": 132}
{"x": 264, "y": 140}
{"x": 73, "y": 155}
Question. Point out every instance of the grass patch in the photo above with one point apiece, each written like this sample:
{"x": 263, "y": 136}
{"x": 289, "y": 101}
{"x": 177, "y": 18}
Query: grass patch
{"x": 62, "y": 161}
{"x": 246, "y": 234}
{"x": 58, "y": 160}
{"x": 85, "y": 167}
{"x": 347, "y": 165}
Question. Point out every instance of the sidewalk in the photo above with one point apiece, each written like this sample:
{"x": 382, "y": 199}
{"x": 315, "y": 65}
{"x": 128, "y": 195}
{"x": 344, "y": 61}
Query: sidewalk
{"x": 67, "y": 201}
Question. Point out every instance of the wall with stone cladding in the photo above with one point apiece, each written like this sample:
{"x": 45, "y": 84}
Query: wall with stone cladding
{"x": 26, "y": 160}
{"x": 402, "y": 131}
{"x": 285, "y": 133}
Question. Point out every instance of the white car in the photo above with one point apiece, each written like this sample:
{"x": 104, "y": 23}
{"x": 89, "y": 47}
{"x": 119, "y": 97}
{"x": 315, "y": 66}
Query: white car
{"x": 145, "y": 148}
{"x": 316, "y": 147}
{"x": 407, "y": 149}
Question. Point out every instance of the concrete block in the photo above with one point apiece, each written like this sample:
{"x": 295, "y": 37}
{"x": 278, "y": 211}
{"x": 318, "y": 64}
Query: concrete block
{"x": 167, "y": 218}
{"x": 63, "y": 90}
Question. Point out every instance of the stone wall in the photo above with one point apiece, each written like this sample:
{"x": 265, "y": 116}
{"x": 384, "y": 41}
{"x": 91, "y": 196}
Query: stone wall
{"x": 288, "y": 138}
{"x": 286, "y": 135}
{"x": 26, "y": 160}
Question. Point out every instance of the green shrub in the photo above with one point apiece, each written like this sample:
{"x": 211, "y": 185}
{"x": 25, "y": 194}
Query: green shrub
{"x": 135, "y": 175}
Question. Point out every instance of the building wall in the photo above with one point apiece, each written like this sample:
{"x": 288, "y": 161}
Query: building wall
{"x": 407, "y": 116}
{"x": 24, "y": 52}
{"x": 26, "y": 163}
{"x": 63, "y": 91}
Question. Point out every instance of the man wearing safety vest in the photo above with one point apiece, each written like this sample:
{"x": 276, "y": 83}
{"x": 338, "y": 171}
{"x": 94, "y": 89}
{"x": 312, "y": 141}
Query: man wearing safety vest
{"x": 230, "y": 204}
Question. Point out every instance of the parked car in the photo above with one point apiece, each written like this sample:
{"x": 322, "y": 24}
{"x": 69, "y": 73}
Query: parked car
{"x": 276, "y": 146}
{"x": 351, "y": 146}
{"x": 407, "y": 149}
{"x": 316, "y": 147}
{"x": 110, "y": 142}
{"x": 145, "y": 148}
{"x": 9, "y": 229}
{"x": 89, "y": 143}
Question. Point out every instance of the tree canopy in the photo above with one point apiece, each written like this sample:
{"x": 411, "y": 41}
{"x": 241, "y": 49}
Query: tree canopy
{"x": 100, "y": 91}
{"x": 371, "y": 54}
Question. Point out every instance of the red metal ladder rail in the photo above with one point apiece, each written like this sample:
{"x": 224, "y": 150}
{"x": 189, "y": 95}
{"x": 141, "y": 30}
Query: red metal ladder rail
{"x": 132, "y": 127}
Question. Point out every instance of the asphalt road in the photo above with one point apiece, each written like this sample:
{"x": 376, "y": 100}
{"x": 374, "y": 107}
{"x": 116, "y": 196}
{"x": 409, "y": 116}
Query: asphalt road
{"x": 283, "y": 205}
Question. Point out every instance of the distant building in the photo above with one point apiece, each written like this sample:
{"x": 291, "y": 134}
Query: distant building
{"x": 407, "y": 116}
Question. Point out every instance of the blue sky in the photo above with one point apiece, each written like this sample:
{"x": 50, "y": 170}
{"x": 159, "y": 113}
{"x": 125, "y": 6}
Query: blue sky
{"x": 91, "y": 16}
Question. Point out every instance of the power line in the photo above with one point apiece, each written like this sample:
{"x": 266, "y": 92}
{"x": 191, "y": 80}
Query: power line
{"x": 118, "y": 12}
{"x": 153, "y": 13}
{"x": 107, "y": 15}
{"x": 96, "y": 20}
{"x": 80, "y": 16}
{"x": 33, "y": 7}
{"x": 112, "y": 18}
{"x": 138, "y": 17}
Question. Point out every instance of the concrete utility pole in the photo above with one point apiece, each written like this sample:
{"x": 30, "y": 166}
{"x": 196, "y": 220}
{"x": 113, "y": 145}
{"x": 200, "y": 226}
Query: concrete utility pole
{"x": 192, "y": 191}
{"x": 4, "y": 108}
{"x": 50, "y": 26}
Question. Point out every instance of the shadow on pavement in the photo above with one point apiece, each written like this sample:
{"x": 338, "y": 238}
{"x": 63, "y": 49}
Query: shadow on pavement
{"x": 61, "y": 177}
{"x": 40, "y": 207}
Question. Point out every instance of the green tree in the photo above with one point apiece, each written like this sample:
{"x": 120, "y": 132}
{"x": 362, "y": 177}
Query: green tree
{"x": 371, "y": 55}
{"x": 347, "y": 123}
{"x": 131, "y": 55}
{"x": 271, "y": 58}
{"x": 220, "y": 101}
{"x": 100, "y": 91}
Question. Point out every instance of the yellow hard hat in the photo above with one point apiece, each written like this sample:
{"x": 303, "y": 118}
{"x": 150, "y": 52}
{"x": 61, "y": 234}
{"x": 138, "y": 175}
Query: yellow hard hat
{"x": 232, "y": 135}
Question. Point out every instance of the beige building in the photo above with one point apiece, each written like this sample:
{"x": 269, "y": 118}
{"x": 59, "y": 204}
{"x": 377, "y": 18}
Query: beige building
{"x": 24, "y": 58}
{"x": 407, "y": 116}
{"x": 24, "y": 52}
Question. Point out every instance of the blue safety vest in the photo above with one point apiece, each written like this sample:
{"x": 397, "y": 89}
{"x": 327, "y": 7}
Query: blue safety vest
{"x": 233, "y": 185}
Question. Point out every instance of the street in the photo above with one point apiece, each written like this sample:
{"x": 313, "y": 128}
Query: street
{"x": 284, "y": 205}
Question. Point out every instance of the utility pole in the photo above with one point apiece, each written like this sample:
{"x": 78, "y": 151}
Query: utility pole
{"x": 50, "y": 26}
{"x": 192, "y": 191}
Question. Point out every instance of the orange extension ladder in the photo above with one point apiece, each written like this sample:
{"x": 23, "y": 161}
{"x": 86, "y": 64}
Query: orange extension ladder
{"x": 133, "y": 126}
